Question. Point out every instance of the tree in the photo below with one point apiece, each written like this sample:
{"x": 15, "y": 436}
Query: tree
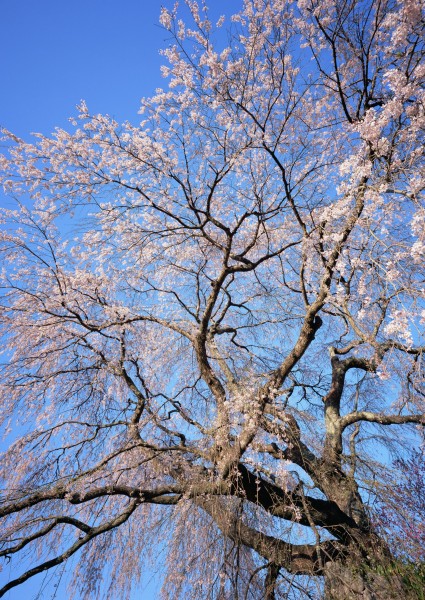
{"x": 213, "y": 321}
{"x": 402, "y": 505}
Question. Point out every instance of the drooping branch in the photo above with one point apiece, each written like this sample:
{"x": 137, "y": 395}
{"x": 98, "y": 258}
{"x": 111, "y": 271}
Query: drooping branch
{"x": 293, "y": 506}
{"x": 92, "y": 533}
{"x": 295, "y": 558}
{"x": 165, "y": 494}
{"x": 55, "y": 520}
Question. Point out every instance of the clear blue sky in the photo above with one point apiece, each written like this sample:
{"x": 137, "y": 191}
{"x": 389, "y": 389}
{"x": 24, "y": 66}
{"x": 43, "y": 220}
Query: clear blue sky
{"x": 53, "y": 53}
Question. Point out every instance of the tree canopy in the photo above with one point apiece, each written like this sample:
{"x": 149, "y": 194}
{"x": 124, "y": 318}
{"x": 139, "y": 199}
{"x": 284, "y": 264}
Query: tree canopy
{"x": 213, "y": 322}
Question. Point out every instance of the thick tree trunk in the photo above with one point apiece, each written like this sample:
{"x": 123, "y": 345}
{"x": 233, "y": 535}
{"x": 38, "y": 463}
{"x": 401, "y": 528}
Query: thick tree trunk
{"x": 344, "y": 582}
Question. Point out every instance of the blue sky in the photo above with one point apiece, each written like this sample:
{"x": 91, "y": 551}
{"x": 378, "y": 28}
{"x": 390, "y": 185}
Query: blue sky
{"x": 54, "y": 53}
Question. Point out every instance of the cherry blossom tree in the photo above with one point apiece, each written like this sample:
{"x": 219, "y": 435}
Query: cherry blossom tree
{"x": 402, "y": 506}
{"x": 213, "y": 323}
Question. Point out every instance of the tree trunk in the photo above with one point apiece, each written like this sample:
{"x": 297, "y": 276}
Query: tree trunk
{"x": 270, "y": 582}
{"x": 352, "y": 582}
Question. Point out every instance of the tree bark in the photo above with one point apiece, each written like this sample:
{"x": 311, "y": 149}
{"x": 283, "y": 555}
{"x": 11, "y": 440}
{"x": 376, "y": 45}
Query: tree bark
{"x": 352, "y": 582}
{"x": 270, "y": 582}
